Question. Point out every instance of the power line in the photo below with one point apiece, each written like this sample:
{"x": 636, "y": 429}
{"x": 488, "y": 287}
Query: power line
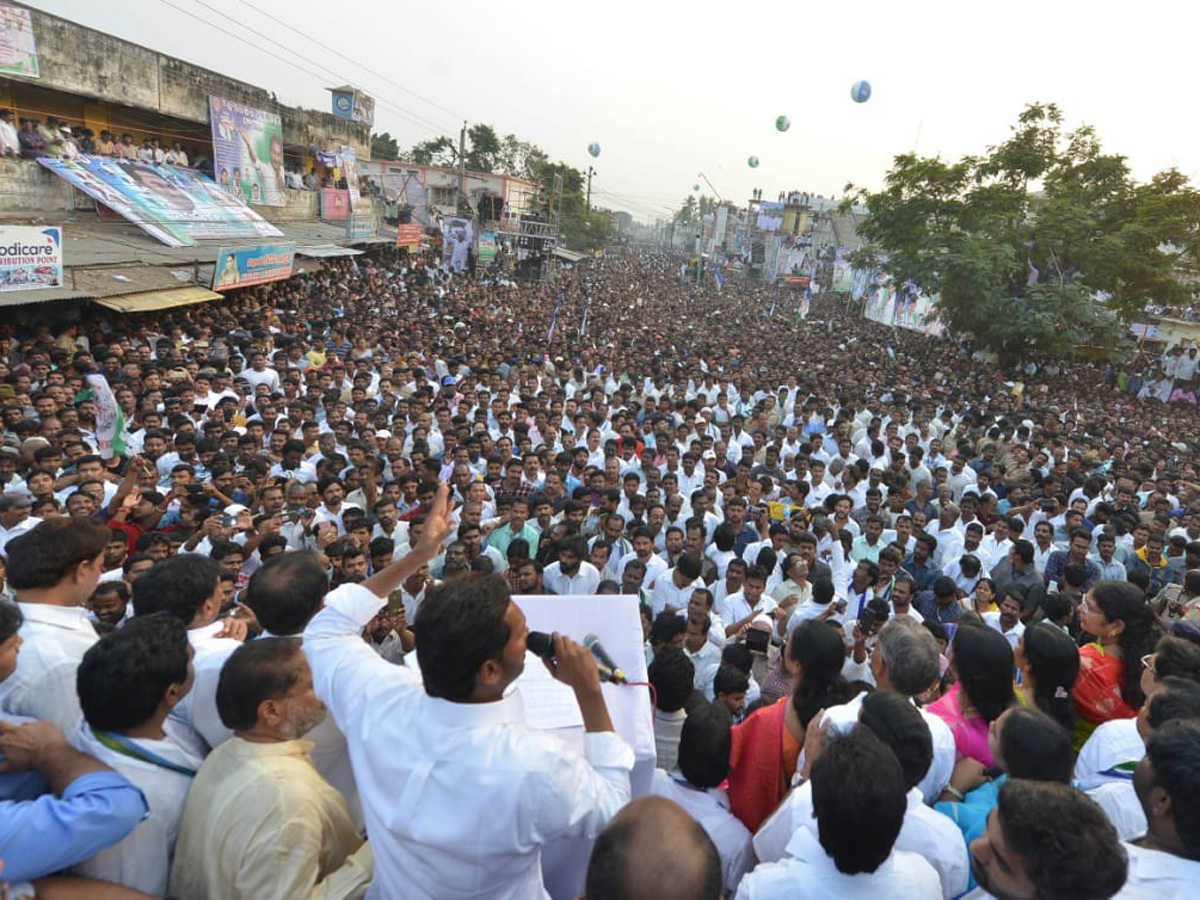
{"x": 350, "y": 59}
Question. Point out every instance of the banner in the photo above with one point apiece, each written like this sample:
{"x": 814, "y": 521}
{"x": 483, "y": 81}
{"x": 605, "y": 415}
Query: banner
{"x": 408, "y": 236}
{"x": 247, "y": 151}
{"x": 244, "y": 266}
{"x": 30, "y": 258}
{"x": 18, "y": 49}
{"x": 486, "y": 253}
{"x": 904, "y": 307}
{"x": 354, "y": 106}
{"x": 174, "y": 205}
{"x": 111, "y": 433}
{"x": 458, "y": 235}
{"x": 350, "y": 173}
{"x": 335, "y": 205}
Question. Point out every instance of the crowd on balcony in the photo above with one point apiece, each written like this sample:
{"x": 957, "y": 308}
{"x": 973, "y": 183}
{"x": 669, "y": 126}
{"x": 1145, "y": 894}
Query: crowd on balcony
{"x": 55, "y": 138}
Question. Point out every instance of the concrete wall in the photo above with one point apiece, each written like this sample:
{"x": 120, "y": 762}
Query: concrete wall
{"x": 80, "y": 61}
{"x": 27, "y": 187}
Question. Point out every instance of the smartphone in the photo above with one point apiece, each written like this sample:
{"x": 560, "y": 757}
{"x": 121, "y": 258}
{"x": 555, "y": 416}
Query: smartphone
{"x": 395, "y": 602}
{"x": 866, "y": 621}
{"x": 757, "y": 640}
{"x": 228, "y": 521}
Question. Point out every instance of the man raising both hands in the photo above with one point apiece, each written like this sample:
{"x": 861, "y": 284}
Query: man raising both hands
{"x": 459, "y": 794}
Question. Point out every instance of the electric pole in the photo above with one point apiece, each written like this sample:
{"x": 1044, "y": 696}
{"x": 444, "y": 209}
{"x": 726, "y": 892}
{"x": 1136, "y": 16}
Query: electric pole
{"x": 462, "y": 166}
{"x": 591, "y": 172}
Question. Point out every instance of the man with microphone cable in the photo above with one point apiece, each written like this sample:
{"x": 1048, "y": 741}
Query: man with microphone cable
{"x": 459, "y": 794}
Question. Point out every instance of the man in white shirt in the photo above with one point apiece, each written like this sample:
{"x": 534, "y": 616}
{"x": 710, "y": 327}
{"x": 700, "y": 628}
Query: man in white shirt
{"x": 1046, "y": 839}
{"x": 704, "y": 745}
{"x": 258, "y": 373}
{"x": 53, "y": 569}
{"x": 643, "y": 551}
{"x": 1166, "y": 862}
{"x": 15, "y": 519}
{"x": 188, "y": 587}
{"x": 851, "y": 854}
{"x": 128, "y": 683}
{"x": 674, "y": 589}
{"x": 571, "y": 573}
{"x": 428, "y": 756}
{"x": 925, "y": 831}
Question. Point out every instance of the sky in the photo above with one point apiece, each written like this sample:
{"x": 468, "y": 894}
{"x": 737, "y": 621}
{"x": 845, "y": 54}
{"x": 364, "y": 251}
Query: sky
{"x": 670, "y": 90}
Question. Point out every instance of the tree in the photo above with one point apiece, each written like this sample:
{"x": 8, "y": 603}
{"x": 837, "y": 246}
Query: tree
{"x": 435, "y": 152}
{"x": 587, "y": 232}
{"x": 384, "y": 146}
{"x": 1020, "y": 268}
{"x": 688, "y": 211}
{"x": 483, "y": 148}
{"x": 521, "y": 159}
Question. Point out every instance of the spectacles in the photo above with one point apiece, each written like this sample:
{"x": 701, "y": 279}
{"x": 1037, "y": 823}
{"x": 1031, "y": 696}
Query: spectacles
{"x": 1148, "y": 663}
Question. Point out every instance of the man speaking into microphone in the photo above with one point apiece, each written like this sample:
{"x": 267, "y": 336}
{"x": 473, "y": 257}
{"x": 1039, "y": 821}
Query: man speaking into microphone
{"x": 458, "y": 793}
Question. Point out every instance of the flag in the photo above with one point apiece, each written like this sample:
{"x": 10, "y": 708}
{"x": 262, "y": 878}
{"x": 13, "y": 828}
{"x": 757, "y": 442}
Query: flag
{"x": 720, "y": 277}
{"x": 111, "y": 433}
{"x": 554, "y": 317}
{"x": 583, "y": 324}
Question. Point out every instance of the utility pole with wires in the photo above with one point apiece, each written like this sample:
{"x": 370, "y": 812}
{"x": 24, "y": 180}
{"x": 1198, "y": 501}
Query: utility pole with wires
{"x": 462, "y": 167}
{"x": 591, "y": 171}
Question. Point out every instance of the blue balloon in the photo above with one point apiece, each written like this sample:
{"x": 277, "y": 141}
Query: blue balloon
{"x": 594, "y": 148}
{"x": 860, "y": 92}
{"x": 695, "y": 187}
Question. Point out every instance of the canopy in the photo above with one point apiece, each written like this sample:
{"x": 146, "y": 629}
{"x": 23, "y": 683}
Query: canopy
{"x": 148, "y": 301}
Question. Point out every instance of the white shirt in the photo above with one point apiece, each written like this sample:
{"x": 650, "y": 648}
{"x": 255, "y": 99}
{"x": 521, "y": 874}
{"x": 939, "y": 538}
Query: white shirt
{"x": 585, "y": 581}
{"x": 142, "y": 860}
{"x": 992, "y": 620}
{"x": 1120, "y": 803}
{"x": 843, "y": 718}
{"x": 1111, "y": 744}
{"x": 810, "y": 873}
{"x": 25, "y": 525}
{"x": 666, "y": 593}
{"x": 43, "y": 686}
{"x": 711, "y": 809}
{"x": 925, "y": 831}
{"x": 735, "y": 607}
{"x": 1154, "y": 875}
{"x": 198, "y": 709}
{"x": 429, "y": 770}
{"x": 655, "y": 567}
{"x": 707, "y": 656}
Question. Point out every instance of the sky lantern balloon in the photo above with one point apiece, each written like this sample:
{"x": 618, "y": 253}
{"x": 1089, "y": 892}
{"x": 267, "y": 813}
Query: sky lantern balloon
{"x": 594, "y": 146}
{"x": 695, "y": 187}
{"x": 753, "y": 161}
{"x": 783, "y": 123}
{"x": 860, "y": 91}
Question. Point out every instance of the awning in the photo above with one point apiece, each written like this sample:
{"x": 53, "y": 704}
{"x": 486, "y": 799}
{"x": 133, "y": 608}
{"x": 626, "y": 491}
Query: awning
{"x": 568, "y": 255}
{"x": 319, "y": 251}
{"x": 148, "y": 301}
{"x": 18, "y": 298}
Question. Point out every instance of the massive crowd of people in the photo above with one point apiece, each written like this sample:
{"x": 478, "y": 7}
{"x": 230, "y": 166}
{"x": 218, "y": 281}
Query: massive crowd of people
{"x": 918, "y": 623}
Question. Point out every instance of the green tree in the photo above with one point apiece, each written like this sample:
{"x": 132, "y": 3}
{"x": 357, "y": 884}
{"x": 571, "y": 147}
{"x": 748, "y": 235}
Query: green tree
{"x": 521, "y": 159}
{"x": 384, "y": 146}
{"x": 688, "y": 211}
{"x": 584, "y": 232}
{"x": 434, "y": 152}
{"x": 483, "y": 148}
{"x": 1020, "y": 241}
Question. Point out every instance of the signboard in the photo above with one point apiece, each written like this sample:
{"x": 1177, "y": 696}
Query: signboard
{"x": 335, "y": 205}
{"x": 350, "y": 173}
{"x": 360, "y": 225}
{"x": 458, "y": 234}
{"x": 904, "y": 307}
{"x": 247, "y": 151}
{"x": 408, "y": 236}
{"x": 174, "y": 205}
{"x": 244, "y": 266}
{"x": 30, "y": 258}
{"x": 354, "y": 106}
{"x": 18, "y": 50}
{"x": 487, "y": 248}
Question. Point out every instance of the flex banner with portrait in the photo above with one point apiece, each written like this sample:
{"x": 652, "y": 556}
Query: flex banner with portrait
{"x": 171, "y": 204}
{"x": 458, "y": 236}
{"x": 247, "y": 151}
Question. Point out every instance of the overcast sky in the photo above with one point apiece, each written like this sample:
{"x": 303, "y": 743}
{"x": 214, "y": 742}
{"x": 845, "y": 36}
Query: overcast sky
{"x": 671, "y": 89}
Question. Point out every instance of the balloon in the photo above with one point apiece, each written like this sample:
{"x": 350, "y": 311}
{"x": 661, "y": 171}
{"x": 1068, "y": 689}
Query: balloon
{"x": 695, "y": 187}
{"x": 594, "y": 147}
{"x": 783, "y": 123}
{"x": 860, "y": 91}
{"x": 753, "y": 162}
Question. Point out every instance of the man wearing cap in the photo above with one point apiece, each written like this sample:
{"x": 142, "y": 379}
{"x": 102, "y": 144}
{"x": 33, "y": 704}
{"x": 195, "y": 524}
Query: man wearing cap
{"x": 15, "y": 519}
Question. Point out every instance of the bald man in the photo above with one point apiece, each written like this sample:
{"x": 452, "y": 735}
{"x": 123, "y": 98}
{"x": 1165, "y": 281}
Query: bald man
{"x": 654, "y": 850}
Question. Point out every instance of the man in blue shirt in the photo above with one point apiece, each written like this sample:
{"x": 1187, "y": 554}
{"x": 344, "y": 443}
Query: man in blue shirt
{"x": 58, "y": 806}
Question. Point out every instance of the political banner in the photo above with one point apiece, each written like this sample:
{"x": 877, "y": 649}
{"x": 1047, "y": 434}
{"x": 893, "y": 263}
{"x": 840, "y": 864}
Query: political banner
{"x": 335, "y": 205}
{"x": 18, "y": 48}
{"x": 487, "y": 248}
{"x": 903, "y": 306}
{"x": 350, "y": 173}
{"x": 408, "y": 236}
{"x": 244, "y": 266}
{"x": 354, "y": 106}
{"x": 458, "y": 236}
{"x": 111, "y": 434}
{"x": 247, "y": 151}
{"x": 176, "y": 206}
{"x": 30, "y": 258}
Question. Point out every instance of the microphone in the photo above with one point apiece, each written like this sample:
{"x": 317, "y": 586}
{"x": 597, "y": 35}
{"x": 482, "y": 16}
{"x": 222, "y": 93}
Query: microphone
{"x": 615, "y": 675}
{"x": 541, "y": 644}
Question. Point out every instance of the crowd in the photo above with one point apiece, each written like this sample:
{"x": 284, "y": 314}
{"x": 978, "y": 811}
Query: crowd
{"x": 916, "y": 624}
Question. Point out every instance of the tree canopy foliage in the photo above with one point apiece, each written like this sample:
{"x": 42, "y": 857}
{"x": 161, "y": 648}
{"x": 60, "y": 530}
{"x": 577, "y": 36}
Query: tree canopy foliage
{"x": 1022, "y": 240}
